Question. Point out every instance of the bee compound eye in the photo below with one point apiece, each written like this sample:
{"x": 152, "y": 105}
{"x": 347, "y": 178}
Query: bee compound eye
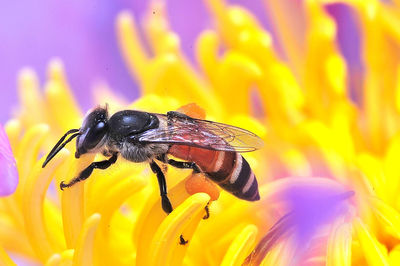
{"x": 95, "y": 135}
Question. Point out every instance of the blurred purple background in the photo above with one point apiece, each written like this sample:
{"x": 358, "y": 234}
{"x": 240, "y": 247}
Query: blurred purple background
{"x": 82, "y": 34}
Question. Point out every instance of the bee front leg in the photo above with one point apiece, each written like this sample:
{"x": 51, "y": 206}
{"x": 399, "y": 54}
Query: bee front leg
{"x": 88, "y": 171}
{"x": 165, "y": 203}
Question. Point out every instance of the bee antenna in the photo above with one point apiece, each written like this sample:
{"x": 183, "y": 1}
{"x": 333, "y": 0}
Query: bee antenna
{"x": 60, "y": 145}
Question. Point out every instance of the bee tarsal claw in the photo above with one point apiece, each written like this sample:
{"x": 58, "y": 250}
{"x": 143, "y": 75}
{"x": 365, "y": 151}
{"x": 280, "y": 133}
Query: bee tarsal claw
{"x": 166, "y": 204}
{"x": 206, "y": 208}
{"x": 63, "y": 185}
{"x": 182, "y": 241}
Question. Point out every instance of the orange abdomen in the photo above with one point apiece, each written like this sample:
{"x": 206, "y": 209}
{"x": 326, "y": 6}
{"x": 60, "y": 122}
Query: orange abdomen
{"x": 228, "y": 169}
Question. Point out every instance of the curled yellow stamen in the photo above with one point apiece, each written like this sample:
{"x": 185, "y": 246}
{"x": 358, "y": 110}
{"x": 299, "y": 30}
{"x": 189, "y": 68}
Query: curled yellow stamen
{"x": 165, "y": 241}
{"x": 29, "y": 148}
{"x": 72, "y": 202}
{"x": 150, "y": 219}
{"x": 241, "y": 246}
{"x": 34, "y": 192}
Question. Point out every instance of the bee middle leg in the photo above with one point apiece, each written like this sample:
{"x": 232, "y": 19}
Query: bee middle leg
{"x": 165, "y": 203}
{"x": 185, "y": 165}
{"x": 88, "y": 171}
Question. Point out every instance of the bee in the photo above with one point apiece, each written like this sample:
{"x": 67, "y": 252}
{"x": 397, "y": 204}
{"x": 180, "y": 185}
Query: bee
{"x": 204, "y": 146}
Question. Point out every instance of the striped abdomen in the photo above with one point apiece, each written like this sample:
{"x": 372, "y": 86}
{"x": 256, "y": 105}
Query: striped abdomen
{"x": 228, "y": 169}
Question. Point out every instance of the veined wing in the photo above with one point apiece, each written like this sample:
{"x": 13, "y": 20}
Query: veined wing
{"x": 184, "y": 130}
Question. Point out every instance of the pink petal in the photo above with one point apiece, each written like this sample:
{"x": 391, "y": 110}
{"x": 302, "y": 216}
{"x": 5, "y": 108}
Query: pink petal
{"x": 8, "y": 167}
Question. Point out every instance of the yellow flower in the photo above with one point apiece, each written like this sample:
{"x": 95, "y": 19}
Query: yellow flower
{"x": 314, "y": 135}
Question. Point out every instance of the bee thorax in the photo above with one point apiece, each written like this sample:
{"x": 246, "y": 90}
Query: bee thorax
{"x": 141, "y": 153}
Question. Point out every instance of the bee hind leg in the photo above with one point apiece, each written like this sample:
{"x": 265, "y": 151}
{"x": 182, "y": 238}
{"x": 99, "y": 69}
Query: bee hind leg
{"x": 176, "y": 114}
{"x": 181, "y": 165}
{"x": 196, "y": 169}
{"x": 165, "y": 202}
{"x": 88, "y": 171}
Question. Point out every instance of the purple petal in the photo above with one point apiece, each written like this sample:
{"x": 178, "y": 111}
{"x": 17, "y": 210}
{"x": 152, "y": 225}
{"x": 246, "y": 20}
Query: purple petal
{"x": 8, "y": 167}
{"x": 349, "y": 40}
{"x": 309, "y": 207}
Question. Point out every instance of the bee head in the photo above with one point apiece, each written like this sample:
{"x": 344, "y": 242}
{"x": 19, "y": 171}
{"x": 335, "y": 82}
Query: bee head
{"x": 93, "y": 132}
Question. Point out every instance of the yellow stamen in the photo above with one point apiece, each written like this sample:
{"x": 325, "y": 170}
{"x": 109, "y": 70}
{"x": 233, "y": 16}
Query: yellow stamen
{"x": 240, "y": 247}
{"x": 133, "y": 51}
{"x": 72, "y": 202}
{"x": 54, "y": 260}
{"x": 372, "y": 169}
{"x": 290, "y": 26}
{"x": 5, "y": 259}
{"x": 13, "y": 129}
{"x": 387, "y": 215}
{"x": 83, "y": 254}
{"x": 103, "y": 183}
{"x": 111, "y": 203}
{"x": 34, "y": 192}
{"x": 29, "y": 148}
{"x": 391, "y": 170}
{"x": 31, "y": 98}
{"x": 57, "y": 95}
{"x": 162, "y": 40}
{"x": 13, "y": 238}
{"x": 53, "y": 221}
{"x": 207, "y": 53}
{"x": 243, "y": 73}
{"x": 375, "y": 253}
{"x": 150, "y": 219}
{"x": 63, "y": 259}
{"x": 394, "y": 256}
{"x": 164, "y": 246}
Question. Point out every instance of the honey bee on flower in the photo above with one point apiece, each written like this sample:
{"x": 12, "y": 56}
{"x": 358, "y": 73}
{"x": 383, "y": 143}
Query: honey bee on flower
{"x": 316, "y": 80}
{"x": 208, "y": 147}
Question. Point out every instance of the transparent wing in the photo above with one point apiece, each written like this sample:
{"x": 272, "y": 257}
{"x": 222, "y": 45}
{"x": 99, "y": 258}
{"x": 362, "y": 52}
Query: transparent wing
{"x": 184, "y": 130}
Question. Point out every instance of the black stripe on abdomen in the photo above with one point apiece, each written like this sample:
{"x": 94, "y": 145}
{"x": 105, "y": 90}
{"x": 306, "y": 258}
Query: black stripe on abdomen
{"x": 236, "y": 183}
{"x": 239, "y": 180}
